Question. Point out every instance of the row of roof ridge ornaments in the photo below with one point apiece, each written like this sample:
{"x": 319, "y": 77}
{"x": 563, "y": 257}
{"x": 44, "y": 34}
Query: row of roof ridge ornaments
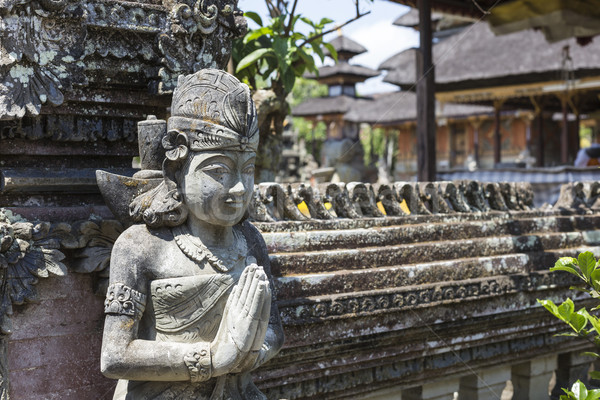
{"x": 325, "y": 201}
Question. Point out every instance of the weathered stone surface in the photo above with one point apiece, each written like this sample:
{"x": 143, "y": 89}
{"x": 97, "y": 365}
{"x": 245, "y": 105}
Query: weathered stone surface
{"x": 189, "y": 308}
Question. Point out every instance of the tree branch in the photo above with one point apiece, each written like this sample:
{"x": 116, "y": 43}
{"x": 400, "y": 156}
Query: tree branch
{"x": 290, "y": 22}
{"x": 273, "y": 10}
{"x": 312, "y": 38}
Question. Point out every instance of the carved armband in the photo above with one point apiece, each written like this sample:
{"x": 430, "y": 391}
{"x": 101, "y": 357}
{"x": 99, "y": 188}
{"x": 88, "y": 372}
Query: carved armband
{"x": 123, "y": 300}
{"x": 199, "y": 363}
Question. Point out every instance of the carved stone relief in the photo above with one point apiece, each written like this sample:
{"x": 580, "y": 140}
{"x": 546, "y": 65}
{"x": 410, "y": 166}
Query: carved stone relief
{"x": 41, "y": 46}
{"x": 50, "y": 47}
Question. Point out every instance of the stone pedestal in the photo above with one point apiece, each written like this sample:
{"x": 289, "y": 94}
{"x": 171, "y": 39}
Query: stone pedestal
{"x": 486, "y": 384}
{"x": 531, "y": 379}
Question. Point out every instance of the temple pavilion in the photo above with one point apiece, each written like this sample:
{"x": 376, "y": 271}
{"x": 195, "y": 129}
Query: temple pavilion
{"x": 341, "y": 79}
{"x": 342, "y": 149}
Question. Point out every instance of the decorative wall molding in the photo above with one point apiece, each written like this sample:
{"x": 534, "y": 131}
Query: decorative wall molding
{"x": 304, "y": 311}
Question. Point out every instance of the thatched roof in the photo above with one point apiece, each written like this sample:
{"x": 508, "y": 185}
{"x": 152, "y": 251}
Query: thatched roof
{"x": 353, "y": 73}
{"x": 403, "y": 60}
{"x": 324, "y": 105}
{"x": 476, "y": 58}
{"x": 346, "y": 47}
{"x": 398, "y": 107}
{"x": 468, "y": 8}
{"x": 411, "y": 18}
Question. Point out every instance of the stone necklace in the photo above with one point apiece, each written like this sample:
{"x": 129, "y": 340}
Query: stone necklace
{"x": 192, "y": 247}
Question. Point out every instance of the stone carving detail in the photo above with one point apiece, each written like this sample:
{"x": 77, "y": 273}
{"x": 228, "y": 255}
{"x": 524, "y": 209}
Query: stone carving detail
{"x": 277, "y": 202}
{"x": 49, "y": 47}
{"x": 41, "y": 44}
{"x": 579, "y": 196}
{"x": 363, "y": 197}
{"x": 123, "y": 300}
{"x": 184, "y": 47}
{"x": 98, "y": 238}
{"x": 195, "y": 277}
{"x": 302, "y": 311}
{"x": 27, "y": 252}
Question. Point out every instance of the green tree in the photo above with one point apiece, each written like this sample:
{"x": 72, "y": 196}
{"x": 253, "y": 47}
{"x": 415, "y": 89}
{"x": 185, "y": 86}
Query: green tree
{"x": 313, "y": 133}
{"x": 270, "y": 58}
{"x": 581, "y": 322}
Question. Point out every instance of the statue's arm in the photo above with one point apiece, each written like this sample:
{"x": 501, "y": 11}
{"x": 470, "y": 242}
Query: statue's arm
{"x": 274, "y": 337}
{"x": 124, "y": 356}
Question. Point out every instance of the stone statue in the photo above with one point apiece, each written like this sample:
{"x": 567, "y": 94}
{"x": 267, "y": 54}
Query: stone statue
{"x": 189, "y": 304}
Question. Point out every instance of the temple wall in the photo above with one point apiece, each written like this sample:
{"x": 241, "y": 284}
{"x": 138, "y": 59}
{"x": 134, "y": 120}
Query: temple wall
{"x": 371, "y": 302}
{"x": 54, "y": 351}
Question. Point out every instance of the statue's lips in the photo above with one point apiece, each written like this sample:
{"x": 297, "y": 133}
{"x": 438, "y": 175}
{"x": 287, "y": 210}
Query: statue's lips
{"x": 234, "y": 204}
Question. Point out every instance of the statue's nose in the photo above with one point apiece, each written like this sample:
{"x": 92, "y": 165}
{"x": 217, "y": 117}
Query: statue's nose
{"x": 238, "y": 189}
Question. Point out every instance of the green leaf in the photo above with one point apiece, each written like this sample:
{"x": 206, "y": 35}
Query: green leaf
{"x": 595, "y": 281}
{"x": 254, "y": 17}
{"x": 332, "y": 51}
{"x": 566, "y": 309}
{"x": 317, "y": 49}
{"x": 307, "y": 21}
{"x": 590, "y": 354}
{"x": 325, "y": 21}
{"x": 567, "y": 264}
{"x": 255, "y": 34}
{"x": 593, "y": 394}
{"x": 587, "y": 262}
{"x": 289, "y": 79}
{"x": 595, "y": 375}
{"x": 592, "y": 319}
{"x": 579, "y": 390}
{"x": 309, "y": 62}
{"x": 570, "y": 395}
{"x": 280, "y": 46}
{"x": 550, "y": 306}
{"x": 252, "y": 58}
{"x": 578, "y": 321}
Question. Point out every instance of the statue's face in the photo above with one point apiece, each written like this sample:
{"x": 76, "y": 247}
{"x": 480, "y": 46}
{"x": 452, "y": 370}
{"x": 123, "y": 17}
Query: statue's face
{"x": 217, "y": 186}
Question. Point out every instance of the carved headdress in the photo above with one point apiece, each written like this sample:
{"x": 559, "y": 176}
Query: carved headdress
{"x": 211, "y": 110}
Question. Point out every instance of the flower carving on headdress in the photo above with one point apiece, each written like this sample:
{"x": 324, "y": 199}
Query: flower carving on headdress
{"x": 176, "y": 145}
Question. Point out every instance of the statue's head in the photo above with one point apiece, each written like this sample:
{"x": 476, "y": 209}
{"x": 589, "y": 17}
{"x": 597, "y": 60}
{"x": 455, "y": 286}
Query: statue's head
{"x": 211, "y": 143}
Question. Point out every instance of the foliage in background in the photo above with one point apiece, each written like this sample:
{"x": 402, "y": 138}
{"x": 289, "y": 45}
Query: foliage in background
{"x": 313, "y": 133}
{"x": 272, "y": 57}
{"x": 373, "y": 141}
{"x": 582, "y": 323}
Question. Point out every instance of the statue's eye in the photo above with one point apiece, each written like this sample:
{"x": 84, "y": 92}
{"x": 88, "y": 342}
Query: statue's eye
{"x": 249, "y": 169}
{"x": 216, "y": 169}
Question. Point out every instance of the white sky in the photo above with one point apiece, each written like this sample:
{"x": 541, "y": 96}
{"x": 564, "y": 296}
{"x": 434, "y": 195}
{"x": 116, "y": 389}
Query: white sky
{"x": 374, "y": 31}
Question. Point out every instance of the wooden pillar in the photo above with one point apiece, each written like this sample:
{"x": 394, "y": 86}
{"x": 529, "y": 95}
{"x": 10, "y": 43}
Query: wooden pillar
{"x": 564, "y": 135}
{"x": 426, "y": 157}
{"x": 576, "y": 141}
{"x": 539, "y": 129}
{"x": 528, "y": 121}
{"x": 497, "y": 132}
{"x": 451, "y": 145}
{"x": 476, "y": 124}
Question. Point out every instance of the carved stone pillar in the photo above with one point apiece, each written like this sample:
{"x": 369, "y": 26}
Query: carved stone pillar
{"x": 530, "y": 378}
{"x": 486, "y": 384}
{"x": 571, "y": 367}
{"x": 439, "y": 390}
